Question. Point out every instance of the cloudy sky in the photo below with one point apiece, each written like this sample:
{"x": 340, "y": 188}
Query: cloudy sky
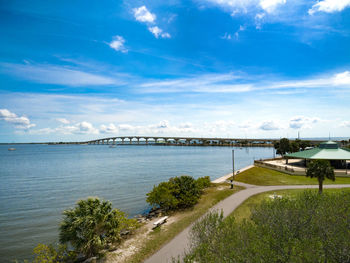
{"x": 78, "y": 70}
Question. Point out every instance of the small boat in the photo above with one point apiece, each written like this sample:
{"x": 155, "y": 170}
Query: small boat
{"x": 12, "y": 149}
{"x": 112, "y": 146}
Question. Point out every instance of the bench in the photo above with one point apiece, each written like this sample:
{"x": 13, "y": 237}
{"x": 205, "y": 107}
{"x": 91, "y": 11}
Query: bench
{"x": 160, "y": 222}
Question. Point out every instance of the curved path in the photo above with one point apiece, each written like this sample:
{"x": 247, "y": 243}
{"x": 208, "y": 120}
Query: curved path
{"x": 176, "y": 247}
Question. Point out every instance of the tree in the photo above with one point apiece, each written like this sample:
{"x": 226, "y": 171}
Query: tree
{"x": 162, "y": 195}
{"x": 187, "y": 191}
{"x": 304, "y": 144}
{"x": 321, "y": 169}
{"x": 203, "y": 182}
{"x": 283, "y": 146}
{"x": 93, "y": 225}
{"x": 178, "y": 192}
{"x": 294, "y": 147}
{"x": 49, "y": 254}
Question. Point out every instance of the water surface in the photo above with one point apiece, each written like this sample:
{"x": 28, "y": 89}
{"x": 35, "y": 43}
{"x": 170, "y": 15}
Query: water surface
{"x": 39, "y": 181}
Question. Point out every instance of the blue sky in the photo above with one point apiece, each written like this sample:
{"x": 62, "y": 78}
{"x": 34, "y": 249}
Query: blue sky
{"x": 78, "y": 70}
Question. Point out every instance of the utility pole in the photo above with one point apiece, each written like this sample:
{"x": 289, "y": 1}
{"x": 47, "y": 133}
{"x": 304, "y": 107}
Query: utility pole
{"x": 233, "y": 167}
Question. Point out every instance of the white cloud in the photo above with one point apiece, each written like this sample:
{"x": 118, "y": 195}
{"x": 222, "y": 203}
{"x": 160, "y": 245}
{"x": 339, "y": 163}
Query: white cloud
{"x": 63, "y": 120}
{"x": 329, "y": 6}
{"x": 247, "y": 6}
{"x": 270, "y": 5}
{"x": 240, "y": 83}
{"x": 80, "y": 128}
{"x": 269, "y": 126}
{"x": 143, "y": 15}
{"x": 342, "y": 78}
{"x": 19, "y": 122}
{"x": 345, "y": 124}
{"x": 58, "y": 75}
{"x": 246, "y": 125}
{"x": 298, "y": 122}
{"x": 118, "y": 44}
{"x": 186, "y": 125}
{"x": 211, "y": 83}
{"x": 241, "y": 28}
{"x": 259, "y": 18}
{"x": 126, "y": 127}
{"x": 220, "y": 126}
{"x": 157, "y": 32}
{"x": 226, "y": 36}
{"x": 163, "y": 127}
{"x": 111, "y": 128}
{"x": 85, "y": 128}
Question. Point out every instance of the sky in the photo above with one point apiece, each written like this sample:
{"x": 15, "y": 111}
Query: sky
{"x": 81, "y": 70}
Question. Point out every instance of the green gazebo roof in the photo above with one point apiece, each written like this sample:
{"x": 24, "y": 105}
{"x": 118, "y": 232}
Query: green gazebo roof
{"x": 326, "y": 151}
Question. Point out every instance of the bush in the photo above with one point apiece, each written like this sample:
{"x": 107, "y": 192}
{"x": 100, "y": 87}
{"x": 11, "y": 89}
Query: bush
{"x": 49, "y": 254}
{"x": 163, "y": 196}
{"x": 187, "y": 191}
{"x": 93, "y": 225}
{"x": 309, "y": 228}
{"x": 203, "y": 182}
{"x": 178, "y": 192}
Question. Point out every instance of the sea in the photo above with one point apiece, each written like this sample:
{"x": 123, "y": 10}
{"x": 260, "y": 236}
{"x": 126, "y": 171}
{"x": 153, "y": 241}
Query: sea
{"x": 38, "y": 182}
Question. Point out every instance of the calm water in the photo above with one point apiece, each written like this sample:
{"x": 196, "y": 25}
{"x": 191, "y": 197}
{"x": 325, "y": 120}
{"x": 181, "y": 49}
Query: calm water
{"x": 39, "y": 181}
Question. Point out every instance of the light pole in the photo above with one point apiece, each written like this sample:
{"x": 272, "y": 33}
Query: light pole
{"x": 233, "y": 167}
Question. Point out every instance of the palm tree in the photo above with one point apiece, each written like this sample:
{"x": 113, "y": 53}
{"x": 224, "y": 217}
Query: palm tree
{"x": 92, "y": 225}
{"x": 321, "y": 169}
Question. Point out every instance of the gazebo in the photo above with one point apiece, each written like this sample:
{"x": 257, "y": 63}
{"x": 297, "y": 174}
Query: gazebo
{"x": 326, "y": 151}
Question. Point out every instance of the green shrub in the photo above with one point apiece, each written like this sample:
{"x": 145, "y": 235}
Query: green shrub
{"x": 93, "y": 225}
{"x": 203, "y": 182}
{"x": 309, "y": 228}
{"x": 187, "y": 191}
{"x": 49, "y": 254}
{"x": 178, "y": 192}
{"x": 163, "y": 196}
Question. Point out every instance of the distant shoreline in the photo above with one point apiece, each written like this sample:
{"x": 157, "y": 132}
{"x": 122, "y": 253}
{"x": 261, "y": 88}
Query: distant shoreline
{"x": 337, "y": 139}
{"x": 142, "y": 144}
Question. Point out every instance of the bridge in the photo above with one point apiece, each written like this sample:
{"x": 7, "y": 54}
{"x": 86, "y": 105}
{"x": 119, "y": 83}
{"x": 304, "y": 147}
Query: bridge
{"x": 193, "y": 141}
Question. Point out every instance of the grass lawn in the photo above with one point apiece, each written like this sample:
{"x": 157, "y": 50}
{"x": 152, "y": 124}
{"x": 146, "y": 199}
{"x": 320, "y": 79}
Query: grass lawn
{"x": 244, "y": 210}
{"x": 264, "y": 176}
{"x": 184, "y": 218}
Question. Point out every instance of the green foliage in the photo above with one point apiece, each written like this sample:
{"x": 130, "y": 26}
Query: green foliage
{"x": 163, "y": 196}
{"x": 93, "y": 225}
{"x": 321, "y": 169}
{"x": 304, "y": 144}
{"x": 203, "y": 182}
{"x": 282, "y": 146}
{"x": 285, "y": 146}
{"x": 49, "y": 254}
{"x": 308, "y": 228}
{"x": 294, "y": 147}
{"x": 178, "y": 192}
{"x": 187, "y": 191}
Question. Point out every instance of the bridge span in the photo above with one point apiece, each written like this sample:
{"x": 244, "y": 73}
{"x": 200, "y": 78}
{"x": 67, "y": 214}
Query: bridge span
{"x": 166, "y": 140}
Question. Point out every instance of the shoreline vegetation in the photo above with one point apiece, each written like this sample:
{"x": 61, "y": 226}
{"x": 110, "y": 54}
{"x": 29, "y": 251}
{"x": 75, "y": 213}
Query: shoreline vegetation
{"x": 140, "y": 243}
{"x": 136, "y": 240}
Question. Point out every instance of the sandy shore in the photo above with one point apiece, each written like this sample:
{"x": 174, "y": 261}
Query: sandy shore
{"x": 226, "y": 177}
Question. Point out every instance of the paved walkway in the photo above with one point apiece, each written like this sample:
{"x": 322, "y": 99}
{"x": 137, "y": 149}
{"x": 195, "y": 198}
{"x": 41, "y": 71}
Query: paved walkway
{"x": 180, "y": 243}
